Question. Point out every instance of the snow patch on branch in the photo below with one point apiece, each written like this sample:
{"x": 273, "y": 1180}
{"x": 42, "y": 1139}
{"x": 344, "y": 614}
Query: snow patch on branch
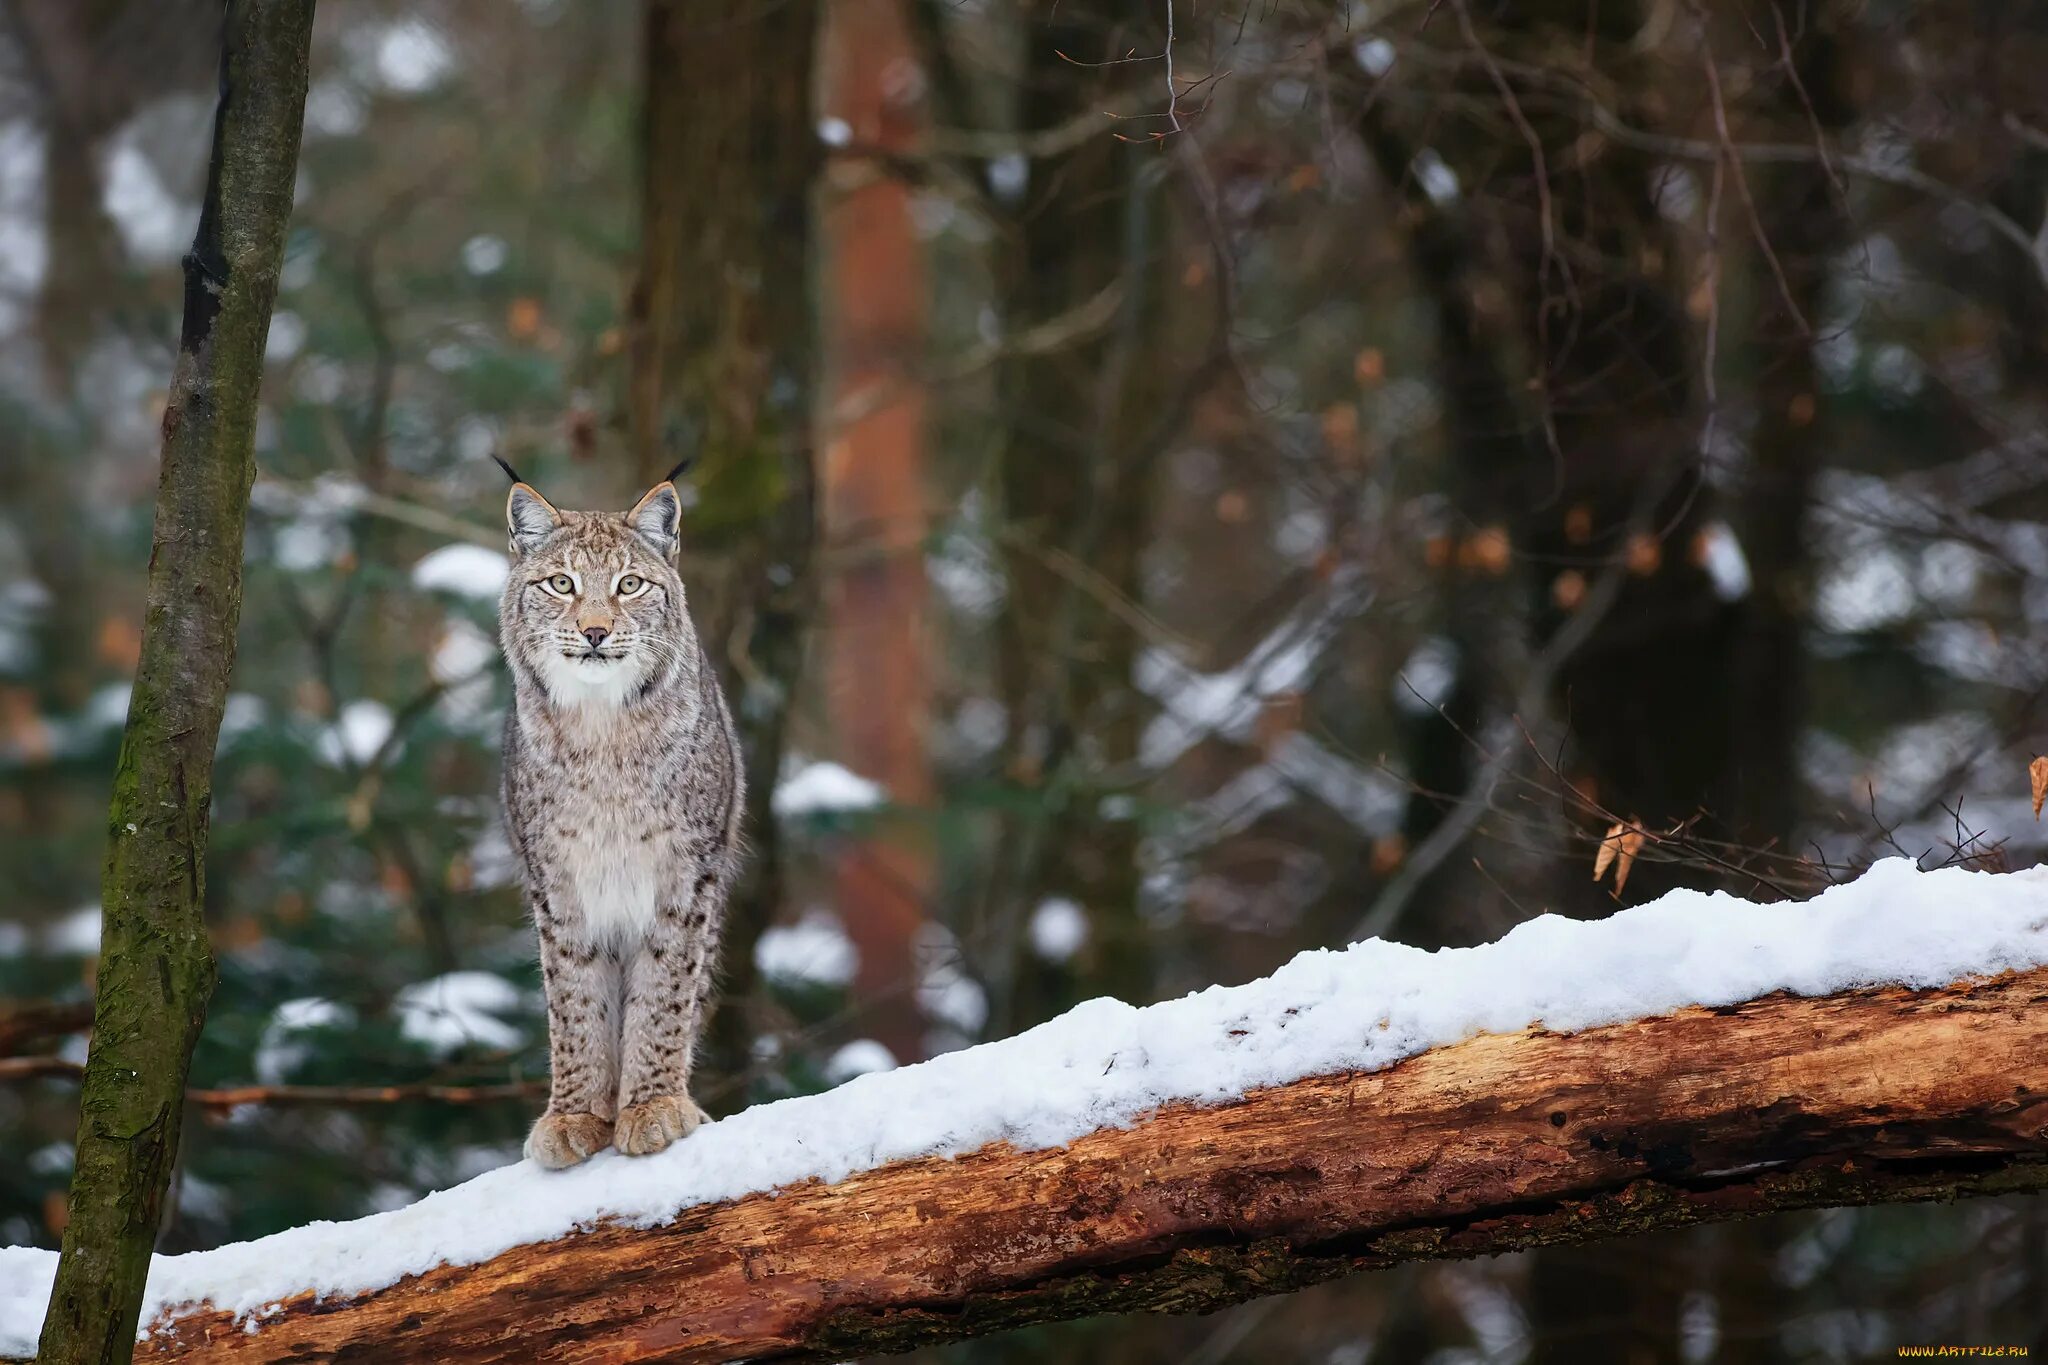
{"x": 814, "y": 951}
{"x": 1107, "y": 1064}
{"x": 458, "y": 1010}
{"x": 464, "y": 570}
{"x": 821, "y": 788}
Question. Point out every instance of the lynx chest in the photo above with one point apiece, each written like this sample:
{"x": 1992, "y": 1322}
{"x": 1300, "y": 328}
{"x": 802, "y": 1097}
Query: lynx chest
{"x": 601, "y": 833}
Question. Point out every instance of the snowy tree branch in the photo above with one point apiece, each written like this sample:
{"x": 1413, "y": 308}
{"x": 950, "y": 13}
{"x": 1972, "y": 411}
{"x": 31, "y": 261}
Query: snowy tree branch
{"x": 1500, "y": 1142}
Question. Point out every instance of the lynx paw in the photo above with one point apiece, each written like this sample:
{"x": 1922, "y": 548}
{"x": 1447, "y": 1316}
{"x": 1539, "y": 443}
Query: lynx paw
{"x": 560, "y": 1140}
{"x": 645, "y": 1129}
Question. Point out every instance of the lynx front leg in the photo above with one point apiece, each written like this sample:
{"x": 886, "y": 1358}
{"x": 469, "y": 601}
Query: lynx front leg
{"x": 668, "y": 989}
{"x": 582, "y": 986}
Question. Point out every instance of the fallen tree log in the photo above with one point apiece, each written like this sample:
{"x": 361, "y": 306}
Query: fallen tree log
{"x": 1488, "y": 1145}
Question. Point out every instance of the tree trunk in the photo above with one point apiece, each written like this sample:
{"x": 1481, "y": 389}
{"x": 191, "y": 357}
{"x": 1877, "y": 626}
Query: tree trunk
{"x": 1079, "y": 413}
{"x": 1804, "y": 224}
{"x": 1500, "y": 1142}
{"x": 156, "y": 966}
{"x": 873, "y": 486}
{"x": 1487, "y": 453}
{"x": 722, "y": 352}
{"x": 1608, "y": 479}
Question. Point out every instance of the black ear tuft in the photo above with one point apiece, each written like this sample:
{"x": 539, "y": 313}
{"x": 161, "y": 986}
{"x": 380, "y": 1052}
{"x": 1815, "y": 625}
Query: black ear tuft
{"x": 682, "y": 466}
{"x": 510, "y": 472}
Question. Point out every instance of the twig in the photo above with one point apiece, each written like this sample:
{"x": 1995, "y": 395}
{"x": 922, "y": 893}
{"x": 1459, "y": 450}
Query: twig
{"x": 294, "y": 1096}
{"x": 28, "y": 1021}
{"x": 1393, "y": 899}
{"x": 1172, "y": 95}
{"x": 1734, "y": 164}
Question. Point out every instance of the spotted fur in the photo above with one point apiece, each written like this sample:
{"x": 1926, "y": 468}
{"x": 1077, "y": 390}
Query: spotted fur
{"x": 623, "y": 792}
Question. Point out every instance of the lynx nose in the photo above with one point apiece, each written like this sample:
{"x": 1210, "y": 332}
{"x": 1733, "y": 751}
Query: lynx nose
{"x": 596, "y": 635}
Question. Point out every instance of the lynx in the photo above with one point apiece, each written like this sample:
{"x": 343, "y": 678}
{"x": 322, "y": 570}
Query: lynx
{"x": 623, "y": 790}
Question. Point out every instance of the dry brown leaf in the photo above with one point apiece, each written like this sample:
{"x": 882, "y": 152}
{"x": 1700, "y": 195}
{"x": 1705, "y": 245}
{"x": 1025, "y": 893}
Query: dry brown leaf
{"x": 523, "y": 319}
{"x": 1486, "y": 550}
{"x": 22, "y": 725}
{"x": 1645, "y": 555}
{"x": 1609, "y": 846}
{"x": 1701, "y": 301}
{"x": 2037, "y": 775}
{"x": 1578, "y": 523}
{"x": 1631, "y": 844}
{"x": 238, "y": 935}
{"x": 1568, "y": 589}
{"x": 119, "y": 643}
{"x": 1340, "y": 433}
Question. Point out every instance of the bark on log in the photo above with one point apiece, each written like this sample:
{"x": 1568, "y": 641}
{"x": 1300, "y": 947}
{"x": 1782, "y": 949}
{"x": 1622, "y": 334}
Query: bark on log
{"x": 1497, "y": 1143}
{"x": 156, "y": 967}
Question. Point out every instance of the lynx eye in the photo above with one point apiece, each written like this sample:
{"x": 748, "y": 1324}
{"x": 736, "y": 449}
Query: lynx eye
{"x": 631, "y": 584}
{"x": 561, "y": 583}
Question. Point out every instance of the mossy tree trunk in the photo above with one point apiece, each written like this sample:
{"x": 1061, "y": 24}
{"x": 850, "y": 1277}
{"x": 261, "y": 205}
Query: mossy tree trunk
{"x": 156, "y": 966}
{"x": 723, "y": 342}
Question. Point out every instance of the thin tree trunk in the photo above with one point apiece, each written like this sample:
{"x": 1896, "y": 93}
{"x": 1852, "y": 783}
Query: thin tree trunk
{"x": 722, "y": 352}
{"x": 156, "y": 966}
{"x": 1486, "y": 458}
{"x": 873, "y": 492}
{"x": 1804, "y": 224}
{"x": 1604, "y": 474}
{"x": 1075, "y": 472}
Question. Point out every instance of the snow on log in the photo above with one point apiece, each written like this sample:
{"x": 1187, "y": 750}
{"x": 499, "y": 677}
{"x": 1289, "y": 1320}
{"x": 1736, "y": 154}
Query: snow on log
{"x": 1694, "y": 1059}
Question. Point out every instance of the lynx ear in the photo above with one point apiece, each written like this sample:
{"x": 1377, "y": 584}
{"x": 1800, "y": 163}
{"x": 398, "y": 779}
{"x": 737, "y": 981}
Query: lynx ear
{"x": 658, "y": 517}
{"x": 530, "y": 518}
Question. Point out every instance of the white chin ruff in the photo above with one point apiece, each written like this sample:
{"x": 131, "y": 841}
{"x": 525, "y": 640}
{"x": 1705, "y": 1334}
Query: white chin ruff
{"x": 581, "y": 682}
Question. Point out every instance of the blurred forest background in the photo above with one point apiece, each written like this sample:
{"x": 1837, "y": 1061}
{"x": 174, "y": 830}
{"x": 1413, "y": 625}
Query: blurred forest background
{"x": 1178, "y": 484}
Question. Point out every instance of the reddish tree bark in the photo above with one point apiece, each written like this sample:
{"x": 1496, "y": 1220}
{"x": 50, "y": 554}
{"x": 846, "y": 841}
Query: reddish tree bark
{"x": 873, "y": 481}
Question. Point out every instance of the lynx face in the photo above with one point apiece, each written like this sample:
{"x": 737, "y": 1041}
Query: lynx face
{"x": 594, "y": 610}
